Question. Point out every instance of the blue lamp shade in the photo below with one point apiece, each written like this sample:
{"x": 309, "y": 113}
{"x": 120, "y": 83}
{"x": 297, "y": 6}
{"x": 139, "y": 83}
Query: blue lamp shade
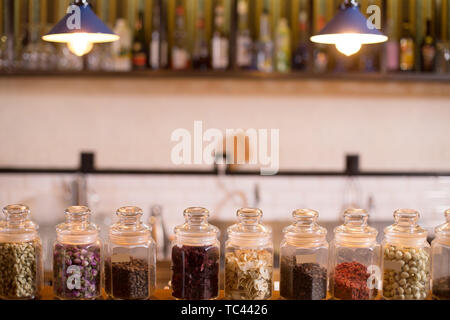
{"x": 80, "y": 21}
{"x": 349, "y": 30}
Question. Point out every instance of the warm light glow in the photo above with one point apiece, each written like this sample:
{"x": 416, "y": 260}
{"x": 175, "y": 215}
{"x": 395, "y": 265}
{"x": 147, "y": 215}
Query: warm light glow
{"x": 348, "y": 48}
{"x": 349, "y": 43}
{"x": 90, "y": 37}
{"x": 80, "y": 45}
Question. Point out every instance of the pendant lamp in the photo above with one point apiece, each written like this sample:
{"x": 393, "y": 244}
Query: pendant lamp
{"x": 349, "y": 30}
{"x": 80, "y": 29}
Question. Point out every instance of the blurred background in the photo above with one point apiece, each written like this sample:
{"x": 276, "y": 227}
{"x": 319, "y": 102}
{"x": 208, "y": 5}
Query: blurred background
{"x": 369, "y": 130}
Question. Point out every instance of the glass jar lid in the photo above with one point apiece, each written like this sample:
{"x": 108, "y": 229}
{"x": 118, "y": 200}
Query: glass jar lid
{"x": 196, "y": 230}
{"x": 444, "y": 229}
{"x": 78, "y": 228}
{"x": 305, "y": 229}
{"x": 17, "y": 225}
{"x": 405, "y": 226}
{"x": 355, "y": 228}
{"x": 129, "y": 229}
{"x": 249, "y": 230}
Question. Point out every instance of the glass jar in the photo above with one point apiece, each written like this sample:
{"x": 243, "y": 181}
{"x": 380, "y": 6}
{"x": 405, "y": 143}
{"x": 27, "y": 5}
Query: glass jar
{"x": 304, "y": 258}
{"x": 130, "y": 262}
{"x": 196, "y": 257}
{"x": 354, "y": 257}
{"x": 440, "y": 250}
{"x": 406, "y": 258}
{"x": 249, "y": 258}
{"x": 21, "y": 269}
{"x": 77, "y": 257}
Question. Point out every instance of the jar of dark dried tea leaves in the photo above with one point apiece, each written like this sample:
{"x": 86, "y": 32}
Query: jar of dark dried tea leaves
{"x": 304, "y": 258}
{"x": 195, "y": 257}
{"x": 130, "y": 264}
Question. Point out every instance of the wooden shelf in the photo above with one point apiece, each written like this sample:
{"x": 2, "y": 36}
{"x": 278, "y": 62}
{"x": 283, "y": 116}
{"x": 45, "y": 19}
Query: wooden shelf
{"x": 237, "y": 75}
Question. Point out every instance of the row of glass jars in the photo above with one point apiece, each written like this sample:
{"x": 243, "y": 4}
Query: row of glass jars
{"x": 82, "y": 266}
{"x": 354, "y": 266}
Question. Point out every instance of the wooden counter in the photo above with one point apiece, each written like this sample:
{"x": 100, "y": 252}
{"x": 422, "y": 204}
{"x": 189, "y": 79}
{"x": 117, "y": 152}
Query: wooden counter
{"x": 47, "y": 294}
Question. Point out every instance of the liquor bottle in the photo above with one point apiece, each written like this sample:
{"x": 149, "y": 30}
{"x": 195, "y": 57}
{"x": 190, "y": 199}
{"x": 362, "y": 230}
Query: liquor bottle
{"x": 264, "y": 54}
{"x": 180, "y": 53}
{"x": 122, "y": 47}
{"x": 321, "y": 58}
{"x": 428, "y": 50}
{"x": 392, "y": 49}
{"x": 407, "y": 58}
{"x": 283, "y": 46}
{"x": 139, "y": 48}
{"x": 220, "y": 41}
{"x": 158, "y": 44}
{"x": 300, "y": 57}
{"x": 200, "y": 56}
{"x": 244, "y": 40}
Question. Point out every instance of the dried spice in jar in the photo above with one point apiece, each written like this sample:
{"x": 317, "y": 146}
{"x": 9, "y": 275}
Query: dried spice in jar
{"x": 304, "y": 253}
{"x": 406, "y": 273}
{"x": 441, "y": 288}
{"x": 302, "y": 281}
{"x": 76, "y": 270}
{"x": 19, "y": 270}
{"x": 195, "y": 272}
{"x": 350, "y": 281}
{"x": 130, "y": 280}
{"x": 248, "y": 274}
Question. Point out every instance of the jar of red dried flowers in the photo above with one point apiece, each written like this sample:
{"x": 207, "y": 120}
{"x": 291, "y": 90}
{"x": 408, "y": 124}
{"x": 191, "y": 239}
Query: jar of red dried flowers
{"x": 249, "y": 258}
{"x": 355, "y": 259}
{"x": 196, "y": 257}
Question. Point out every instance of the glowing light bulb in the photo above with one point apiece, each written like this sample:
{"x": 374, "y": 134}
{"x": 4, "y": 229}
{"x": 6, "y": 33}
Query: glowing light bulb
{"x": 79, "y": 44}
{"x": 348, "y": 47}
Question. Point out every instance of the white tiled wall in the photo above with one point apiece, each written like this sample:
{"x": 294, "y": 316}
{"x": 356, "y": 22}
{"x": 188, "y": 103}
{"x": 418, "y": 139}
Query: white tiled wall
{"x": 48, "y": 195}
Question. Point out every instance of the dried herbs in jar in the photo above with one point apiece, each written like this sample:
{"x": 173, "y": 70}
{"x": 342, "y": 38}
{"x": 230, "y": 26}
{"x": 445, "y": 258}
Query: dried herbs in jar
{"x": 195, "y": 272}
{"x": 350, "y": 282}
{"x": 19, "y": 269}
{"x": 76, "y": 271}
{"x": 128, "y": 279}
{"x": 302, "y": 281}
{"x": 248, "y": 274}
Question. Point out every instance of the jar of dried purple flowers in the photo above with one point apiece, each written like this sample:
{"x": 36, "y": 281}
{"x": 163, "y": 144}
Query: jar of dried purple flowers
{"x": 77, "y": 257}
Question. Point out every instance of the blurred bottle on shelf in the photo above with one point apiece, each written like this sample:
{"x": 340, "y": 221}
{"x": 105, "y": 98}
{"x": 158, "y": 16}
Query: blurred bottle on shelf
{"x": 139, "y": 48}
{"x": 36, "y": 55}
{"x": 158, "y": 52}
{"x": 220, "y": 40}
{"x": 321, "y": 58}
{"x": 392, "y": 49}
{"x": 428, "y": 50}
{"x": 200, "y": 55}
{"x": 265, "y": 47}
{"x": 122, "y": 47}
{"x": 300, "y": 57}
{"x": 407, "y": 47}
{"x": 244, "y": 40}
{"x": 443, "y": 57}
{"x": 180, "y": 54}
{"x": 283, "y": 46}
